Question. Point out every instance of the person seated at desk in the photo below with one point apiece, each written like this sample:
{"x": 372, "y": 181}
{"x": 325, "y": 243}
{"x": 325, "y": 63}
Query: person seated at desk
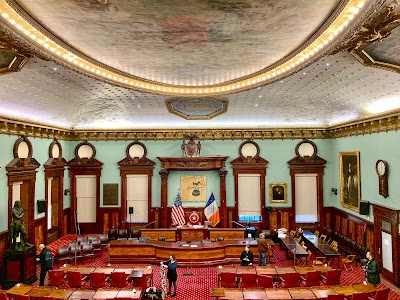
{"x": 246, "y": 257}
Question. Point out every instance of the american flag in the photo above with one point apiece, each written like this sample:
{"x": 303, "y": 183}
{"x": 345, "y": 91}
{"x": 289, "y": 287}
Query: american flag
{"x": 178, "y": 215}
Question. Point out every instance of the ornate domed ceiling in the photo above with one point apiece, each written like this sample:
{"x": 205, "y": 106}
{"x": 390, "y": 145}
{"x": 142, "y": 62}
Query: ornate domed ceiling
{"x": 113, "y": 64}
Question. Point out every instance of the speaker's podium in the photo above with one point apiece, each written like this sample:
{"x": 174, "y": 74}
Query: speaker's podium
{"x": 251, "y": 232}
{"x": 20, "y": 266}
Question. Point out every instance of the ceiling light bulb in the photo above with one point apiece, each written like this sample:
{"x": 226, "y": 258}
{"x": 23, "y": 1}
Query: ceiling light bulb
{"x": 350, "y": 17}
{"x": 356, "y": 10}
{"x": 33, "y": 37}
{"x": 5, "y": 15}
{"x": 361, "y": 4}
{"x": 26, "y": 32}
{"x": 12, "y": 21}
{"x": 340, "y": 28}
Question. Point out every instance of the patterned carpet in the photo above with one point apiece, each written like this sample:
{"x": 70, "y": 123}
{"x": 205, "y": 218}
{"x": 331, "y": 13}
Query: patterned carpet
{"x": 195, "y": 283}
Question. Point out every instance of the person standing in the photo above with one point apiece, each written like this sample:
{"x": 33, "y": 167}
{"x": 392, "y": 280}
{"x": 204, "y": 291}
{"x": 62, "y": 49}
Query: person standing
{"x": 262, "y": 249}
{"x": 246, "y": 257}
{"x": 371, "y": 270}
{"x": 172, "y": 275}
{"x": 46, "y": 262}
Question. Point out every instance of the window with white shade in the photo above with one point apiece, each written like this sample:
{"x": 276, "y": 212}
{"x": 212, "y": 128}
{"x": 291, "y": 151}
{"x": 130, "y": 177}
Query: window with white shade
{"x": 86, "y": 198}
{"x": 306, "y": 198}
{"x": 137, "y": 197}
{"x": 249, "y": 197}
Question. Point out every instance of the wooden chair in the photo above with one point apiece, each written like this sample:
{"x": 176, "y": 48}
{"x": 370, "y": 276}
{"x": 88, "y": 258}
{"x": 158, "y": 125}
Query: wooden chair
{"x": 56, "y": 277}
{"x": 265, "y": 281}
{"x": 303, "y": 261}
{"x": 248, "y": 281}
{"x": 312, "y": 278}
{"x": 319, "y": 261}
{"x": 322, "y": 237}
{"x": 228, "y": 280}
{"x": 290, "y": 280}
{"x": 316, "y": 232}
{"x": 3, "y": 295}
{"x": 332, "y": 277}
{"x": 382, "y": 294}
{"x": 348, "y": 261}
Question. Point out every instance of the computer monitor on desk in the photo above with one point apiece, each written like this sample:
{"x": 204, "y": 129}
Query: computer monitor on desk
{"x": 251, "y": 232}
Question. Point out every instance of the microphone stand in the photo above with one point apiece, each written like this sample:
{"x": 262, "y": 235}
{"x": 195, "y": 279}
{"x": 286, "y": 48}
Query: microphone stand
{"x": 108, "y": 259}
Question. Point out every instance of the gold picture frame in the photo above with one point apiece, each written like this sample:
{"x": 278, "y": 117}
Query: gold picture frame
{"x": 278, "y": 192}
{"x": 350, "y": 180}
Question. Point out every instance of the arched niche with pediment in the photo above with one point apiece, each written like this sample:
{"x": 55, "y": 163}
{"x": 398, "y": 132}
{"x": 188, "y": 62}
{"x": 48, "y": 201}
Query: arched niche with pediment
{"x": 54, "y": 169}
{"x": 250, "y": 163}
{"x": 134, "y": 169}
{"x": 85, "y": 173}
{"x": 307, "y": 163}
{"x": 21, "y": 173}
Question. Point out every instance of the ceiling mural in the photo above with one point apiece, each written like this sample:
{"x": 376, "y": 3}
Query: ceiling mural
{"x": 183, "y": 44}
{"x": 388, "y": 50}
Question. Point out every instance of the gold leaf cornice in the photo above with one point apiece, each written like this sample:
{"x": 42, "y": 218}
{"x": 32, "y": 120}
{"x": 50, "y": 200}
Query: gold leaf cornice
{"x": 383, "y": 123}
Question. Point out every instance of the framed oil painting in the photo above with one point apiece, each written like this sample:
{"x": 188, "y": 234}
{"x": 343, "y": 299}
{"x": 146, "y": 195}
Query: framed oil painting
{"x": 350, "y": 191}
{"x": 277, "y": 192}
{"x": 193, "y": 188}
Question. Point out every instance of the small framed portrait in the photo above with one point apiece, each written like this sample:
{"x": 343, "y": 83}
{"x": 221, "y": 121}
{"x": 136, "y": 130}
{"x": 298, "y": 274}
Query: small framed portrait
{"x": 277, "y": 192}
{"x": 350, "y": 187}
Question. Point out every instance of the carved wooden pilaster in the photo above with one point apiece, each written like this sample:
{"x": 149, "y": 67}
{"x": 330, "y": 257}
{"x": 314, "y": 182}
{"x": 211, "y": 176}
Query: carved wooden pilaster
{"x": 164, "y": 197}
{"x": 222, "y": 195}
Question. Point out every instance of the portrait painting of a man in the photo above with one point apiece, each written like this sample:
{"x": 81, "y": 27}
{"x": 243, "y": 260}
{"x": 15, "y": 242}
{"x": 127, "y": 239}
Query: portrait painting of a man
{"x": 350, "y": 180}
{"x": 277, "y": 192}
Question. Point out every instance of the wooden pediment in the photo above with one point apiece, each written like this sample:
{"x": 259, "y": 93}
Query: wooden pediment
{"x": 85, "y": 162}
{"x": 249, "y": 160}
{"x": 136, "y": 161}
{"x": 307, "y": 160}
{"x": 55, "y": 163}
{"x": 22, "y": 164}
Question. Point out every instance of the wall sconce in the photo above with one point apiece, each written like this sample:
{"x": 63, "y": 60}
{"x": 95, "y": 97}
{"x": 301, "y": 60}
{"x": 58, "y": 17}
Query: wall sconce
{"x": 334, "y": 191}
{"x": 66, "y": 192}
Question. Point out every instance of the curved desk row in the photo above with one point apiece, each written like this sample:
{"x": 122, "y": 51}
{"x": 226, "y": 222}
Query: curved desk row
{"x": 201, "y": 253}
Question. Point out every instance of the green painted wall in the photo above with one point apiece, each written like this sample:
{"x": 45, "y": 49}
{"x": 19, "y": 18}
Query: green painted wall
{"x": 277, "y": 152}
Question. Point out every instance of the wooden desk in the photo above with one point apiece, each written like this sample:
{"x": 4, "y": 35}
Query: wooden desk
{"x": 283, "y": 270}
{"x": 303, "y": 270}
{"x": 127, "y": 271}
{"x": 266, "y": 270}
{"x": 68, "y": 268}
{"x": 245, "y": 270}
{"x": 106, "y": 294}
{"x": 133, "y": 294}
{"x": 232, "y": 294}
{"x": 39, "y": 291}
{"x": 154, "y": 234}
{"x": 82, "y": 294}
{"x": 19, "y": 289}
{"x": 60, "y": 293}
{"x": 226, "y": 270}
{"x": 227, "y": 233}
{"x": 323, "y": 291}
{"x": 106, "y": 271}
{"x": 85, "y": 270}
{"x": 189, "y": 233}
{"x": 301, "y": 293}
{"x": 254, "y": 294}
{"x": 365, "y": 288}
{"x": 278, "y": 294}
{"x": 346, "y": 290}
{"x": 217, "y": 292}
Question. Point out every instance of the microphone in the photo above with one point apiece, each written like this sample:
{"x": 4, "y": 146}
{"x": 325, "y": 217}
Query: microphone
{"x": 150, "y": 223}
{"x": 237, "y": 223}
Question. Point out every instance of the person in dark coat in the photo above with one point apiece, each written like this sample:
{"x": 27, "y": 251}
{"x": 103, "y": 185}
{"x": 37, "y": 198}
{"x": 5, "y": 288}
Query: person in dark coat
{"x": 372, "y": 270}
{"x": 46, "y": 262}
{"x": 172, "y": 275}
{"x": 246, "y": 257}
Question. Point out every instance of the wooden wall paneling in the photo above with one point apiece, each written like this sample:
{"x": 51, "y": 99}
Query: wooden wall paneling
{"x": 370, "y": 238}
{"x": 273, "y": 221}
{"x": 328, "y": 224}
{"x": 338, "y": 222}
{"x": 230, "y": 217}
{"x": 156, "y": 218}
{"x": 285, "y": 220}
{"x": 351, "y": 230}
{"x": 4, "y": 244}
{"x": 65, "y": 229}
{"x": 359, "y": 234}
{"x": 40, "y": 233}
{"x": 105, "y": 222}
{"x": 344, "y": 226}
{"x": 114, "y": 220}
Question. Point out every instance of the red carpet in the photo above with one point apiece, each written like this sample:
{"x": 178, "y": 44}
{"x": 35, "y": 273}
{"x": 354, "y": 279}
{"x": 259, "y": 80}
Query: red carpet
{"x": 195, "y": 283}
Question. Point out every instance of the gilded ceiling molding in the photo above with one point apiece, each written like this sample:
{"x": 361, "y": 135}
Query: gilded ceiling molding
{"x": 13, "y": 57}
{"x": 28, "y": 31}
{"x": 382, "y": 123}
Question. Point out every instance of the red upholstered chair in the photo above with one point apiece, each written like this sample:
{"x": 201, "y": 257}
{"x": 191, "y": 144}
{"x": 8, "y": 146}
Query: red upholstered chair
{"x": 290, "y": 280}
{"x": 56, "y": 277}
{"x": 228, "y": 280}
{"x": 336, "y": 297}
{"x": 141, "y": 282}
{"x": 332, "y": 277}
{"x": 74, "y": 279}
{"x": 382, "y": 294}
{"x": 360, "y": 296}
{"x": 97, "y": 280}
{"x": 118, "y": 279}
{"x": 248, "y": 281}
{"x": 313, "y": 278}
{"x": 265, "y": 281}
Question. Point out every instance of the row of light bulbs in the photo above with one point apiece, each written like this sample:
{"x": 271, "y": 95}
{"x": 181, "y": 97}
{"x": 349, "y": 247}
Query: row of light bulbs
{"x": 41, "y": 40}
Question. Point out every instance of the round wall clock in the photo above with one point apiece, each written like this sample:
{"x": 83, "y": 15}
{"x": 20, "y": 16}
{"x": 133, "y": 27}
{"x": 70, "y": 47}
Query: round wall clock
{"x": 382, "y": 169}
